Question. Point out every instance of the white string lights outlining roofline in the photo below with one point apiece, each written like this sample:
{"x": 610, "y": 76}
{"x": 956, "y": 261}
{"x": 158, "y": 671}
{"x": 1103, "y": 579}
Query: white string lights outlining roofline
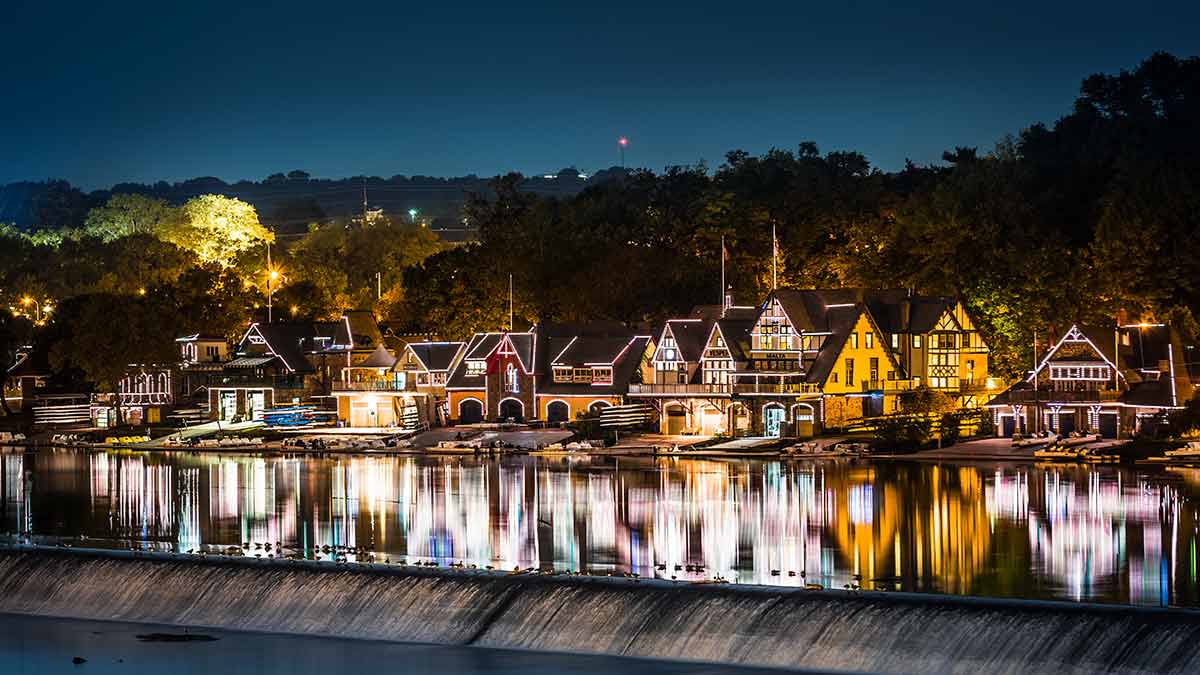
{"x": 1073, "y": 335}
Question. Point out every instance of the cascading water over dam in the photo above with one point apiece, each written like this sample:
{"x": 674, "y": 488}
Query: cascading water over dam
{"x": 726, "y": 624}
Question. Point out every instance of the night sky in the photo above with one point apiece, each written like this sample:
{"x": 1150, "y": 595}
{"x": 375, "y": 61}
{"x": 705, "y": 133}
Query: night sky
{"x": 98, "y": 93}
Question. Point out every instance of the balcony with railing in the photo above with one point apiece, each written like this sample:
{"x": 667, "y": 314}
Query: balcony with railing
{"x": 251, "y": 381}
{"x": 1052, "y": 396}
{"x": 679, "y": 389}
{"x": 771, "y": 388}
{"x": 372, "y": 385}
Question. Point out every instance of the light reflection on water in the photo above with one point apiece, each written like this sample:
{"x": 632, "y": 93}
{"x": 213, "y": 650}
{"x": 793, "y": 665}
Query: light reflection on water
{"x": 1084, "y": 533}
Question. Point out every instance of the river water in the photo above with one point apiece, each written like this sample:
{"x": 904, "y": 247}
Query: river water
{"x": 1100, "y": 533}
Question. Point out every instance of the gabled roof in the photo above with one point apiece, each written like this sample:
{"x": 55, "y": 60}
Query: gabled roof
{"x": 361, "y": 329}
{"x": 736, "y": 334}
{"x": 380, "y": 358}
{"x": 523, "y": 345}
{"x": 585, "y": 351}
{"x": 482, "y": 346}
{"x": 899, "y": 311}
{"x": 436, "y": 356}
{"x": 624, "y": 355}
{"x": 691, "y": 336}
{"x": 288, "y": 340}
{"x": 840, "y": 323}
{"x": 1092, "y": 339}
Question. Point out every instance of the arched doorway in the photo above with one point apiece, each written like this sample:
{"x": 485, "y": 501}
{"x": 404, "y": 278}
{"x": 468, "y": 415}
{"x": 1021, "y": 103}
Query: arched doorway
{"x": 557, "y": 411}
{"x": 804, "y": 418}
{"x": 596, "y": 406}
{"x": 741, "y": 418}
{"x": 512, "y": 409}
{"x": 470, "y": 411}
{"x": 773, "y": 419}
{"x": 712, "y": 420}
{"x": 676, "y": 419}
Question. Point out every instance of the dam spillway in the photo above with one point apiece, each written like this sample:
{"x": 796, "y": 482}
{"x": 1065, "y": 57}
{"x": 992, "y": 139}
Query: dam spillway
{"x": 823, "y": 630}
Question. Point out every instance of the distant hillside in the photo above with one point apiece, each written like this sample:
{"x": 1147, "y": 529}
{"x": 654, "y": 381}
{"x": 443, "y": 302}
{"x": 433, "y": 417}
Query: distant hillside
{"x": 287, "y": 202}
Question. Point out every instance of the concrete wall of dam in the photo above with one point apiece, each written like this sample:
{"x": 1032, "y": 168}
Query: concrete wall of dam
{"x": 725, "y": 624}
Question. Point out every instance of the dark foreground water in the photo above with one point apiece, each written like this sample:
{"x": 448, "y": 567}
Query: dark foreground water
{"x": 45, "y": 646}
{"x": 1069, "y": 532}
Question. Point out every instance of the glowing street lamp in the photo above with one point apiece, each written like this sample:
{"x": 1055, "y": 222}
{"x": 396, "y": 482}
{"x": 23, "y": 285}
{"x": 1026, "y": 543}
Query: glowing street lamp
{"x": 412, "y": 215}
{"x": 622, "y": 142}
{"x": 272, "y": 276}
{"x": 37, "y": 308}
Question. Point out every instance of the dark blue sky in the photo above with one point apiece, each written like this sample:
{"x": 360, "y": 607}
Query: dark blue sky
{"x": 101, "y": 92}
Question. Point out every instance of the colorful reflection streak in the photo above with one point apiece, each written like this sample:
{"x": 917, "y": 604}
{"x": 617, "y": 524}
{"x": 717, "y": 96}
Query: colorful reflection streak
{"x": 1094, "y": 533}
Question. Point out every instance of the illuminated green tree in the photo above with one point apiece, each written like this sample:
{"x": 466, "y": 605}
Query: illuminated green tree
{"x": 218, "y": 229}
{"x": 337, "y": 265}
{"x": 129, "y": 214}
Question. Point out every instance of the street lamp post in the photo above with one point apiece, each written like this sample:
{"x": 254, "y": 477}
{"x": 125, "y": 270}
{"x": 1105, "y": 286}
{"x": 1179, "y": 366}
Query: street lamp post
{"x": 37, "y": 308}
{"x": 621, "y": 143}
{"x": 271, "y": 276}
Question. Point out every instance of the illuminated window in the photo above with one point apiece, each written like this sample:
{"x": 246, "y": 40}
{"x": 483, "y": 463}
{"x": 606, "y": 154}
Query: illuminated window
{"x": 870, "y": 339}
{"x": 854, "y": 340}
{"x": 602, "y": 375}
{"x": 849, "y": 372}
{"x": 895, "y": 341}
{"x": 476, "y": 367}
{"x": 916, "y": 342}
{"x": 511, "y": 380}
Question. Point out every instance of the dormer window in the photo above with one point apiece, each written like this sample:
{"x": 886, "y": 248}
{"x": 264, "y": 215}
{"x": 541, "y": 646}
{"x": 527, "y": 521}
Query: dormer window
{"x": 562, "y": 374}
{"x": 476, "y": 367}
{"x": 602, "y": 375}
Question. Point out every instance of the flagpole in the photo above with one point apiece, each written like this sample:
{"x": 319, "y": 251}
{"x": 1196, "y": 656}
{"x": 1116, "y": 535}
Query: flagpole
{"x": 722, "y": 275}
{"x": 774, "y": 257}
{"x": 510, "y": 304}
